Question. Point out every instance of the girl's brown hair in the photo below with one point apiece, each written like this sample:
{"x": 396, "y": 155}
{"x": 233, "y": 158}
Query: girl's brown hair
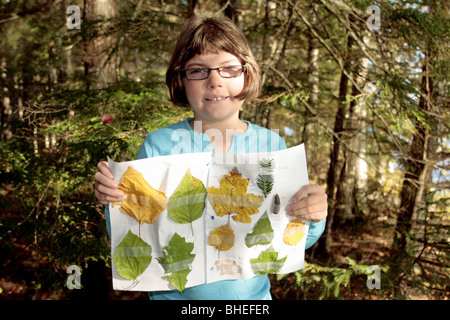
{"x": 201, "y": 35}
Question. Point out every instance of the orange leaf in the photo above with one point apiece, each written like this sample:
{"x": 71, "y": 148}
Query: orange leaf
{"x": 143, "y": 203}
{"x": 232, "y": 197}
{"x": 222, "y": 238}
{"x": 294, "y": 232}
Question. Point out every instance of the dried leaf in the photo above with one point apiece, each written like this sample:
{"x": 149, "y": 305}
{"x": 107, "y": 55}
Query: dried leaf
{"x": 294, "y": 232}
{"x": 228, "y": 266}
{"x": 143, "y": 203}
{"x": 222, "y": 238}
{"x": 132, "y": 256}
{"x": 232, "y": 197}
{"x": 267, "y": 262}
{"x": 188, "y": 201}
{"x": 176, "y": 260}
{"x": 262, "y": 232}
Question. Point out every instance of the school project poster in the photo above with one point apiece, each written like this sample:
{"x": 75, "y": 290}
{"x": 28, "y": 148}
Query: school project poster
{"x": 198, "y": 218}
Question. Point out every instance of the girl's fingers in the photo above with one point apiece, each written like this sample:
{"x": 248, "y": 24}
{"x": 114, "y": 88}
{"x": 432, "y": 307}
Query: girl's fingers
{"x": 105, "y": 186}
{"x": 309, "y": 203}
{"x": 103, "y": 167}
{"x": 103, "y": 180}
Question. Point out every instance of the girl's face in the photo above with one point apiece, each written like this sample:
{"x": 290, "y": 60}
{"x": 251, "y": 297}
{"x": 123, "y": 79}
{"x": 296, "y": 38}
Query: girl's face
{"x": 213, "y": 99}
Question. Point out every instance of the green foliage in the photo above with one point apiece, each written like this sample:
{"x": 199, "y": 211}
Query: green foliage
{"x": 46, "y": 173}
{"x": 331, "y": 282}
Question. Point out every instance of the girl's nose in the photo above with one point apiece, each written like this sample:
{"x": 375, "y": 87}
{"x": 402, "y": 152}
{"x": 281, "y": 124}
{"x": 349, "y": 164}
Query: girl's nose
{"x": 214, "y": 79}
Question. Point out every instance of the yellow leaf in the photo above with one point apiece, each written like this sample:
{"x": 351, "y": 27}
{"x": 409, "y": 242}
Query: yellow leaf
{"x": 222, "y": 238}
{"x": 143, "y": 203}
{"x": 294, "y": 232}
{"x": 232, "y": 197}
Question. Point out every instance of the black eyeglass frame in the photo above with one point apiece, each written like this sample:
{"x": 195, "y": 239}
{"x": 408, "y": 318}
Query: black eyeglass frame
{"x": 244, "y": 68}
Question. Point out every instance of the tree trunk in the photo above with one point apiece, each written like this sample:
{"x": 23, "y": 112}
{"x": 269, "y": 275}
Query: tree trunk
{"x": 414, "y": 169}
{"x": 353, "y": 177}
{"x": 308, "y": 136}
{"x": 100, "y": 60}
{"x": 335, "y": 163}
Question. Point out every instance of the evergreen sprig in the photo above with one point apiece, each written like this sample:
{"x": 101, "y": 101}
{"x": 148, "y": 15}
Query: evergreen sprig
{"x": 265, "y": 177}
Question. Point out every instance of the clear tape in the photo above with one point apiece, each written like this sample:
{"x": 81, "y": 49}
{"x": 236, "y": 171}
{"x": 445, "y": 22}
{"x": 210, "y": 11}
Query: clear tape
{"x": 177, "y": 266}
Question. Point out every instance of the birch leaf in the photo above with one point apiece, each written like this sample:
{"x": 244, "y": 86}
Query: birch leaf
{"x": 132, "y": 256}
{"x": 267, "y": 262}
{"x": 188, "y": 201}
{"x": 143, "y": 202}
{"x": 232, "y": 197}
{"x": 294, "y": 232}
{"x": 176, "y": 259}
{"x": 222, "y": 238}
{"x": 262, "y": 232}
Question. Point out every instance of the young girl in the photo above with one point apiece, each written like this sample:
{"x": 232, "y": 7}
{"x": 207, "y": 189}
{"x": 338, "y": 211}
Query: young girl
{"x": 213, "y": 72}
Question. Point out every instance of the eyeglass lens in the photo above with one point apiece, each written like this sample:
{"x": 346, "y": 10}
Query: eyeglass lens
{"x": 203, "y": 73}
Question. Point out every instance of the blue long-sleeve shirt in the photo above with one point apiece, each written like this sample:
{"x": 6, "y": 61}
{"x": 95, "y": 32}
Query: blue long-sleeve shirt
{"x": 181, "y": 138}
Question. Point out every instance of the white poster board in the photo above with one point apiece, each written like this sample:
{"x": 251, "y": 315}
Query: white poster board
{"x": 248, "y": 239}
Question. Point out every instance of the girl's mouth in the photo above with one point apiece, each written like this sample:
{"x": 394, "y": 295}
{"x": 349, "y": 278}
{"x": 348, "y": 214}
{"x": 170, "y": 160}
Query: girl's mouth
{"x": 215, "y": 99}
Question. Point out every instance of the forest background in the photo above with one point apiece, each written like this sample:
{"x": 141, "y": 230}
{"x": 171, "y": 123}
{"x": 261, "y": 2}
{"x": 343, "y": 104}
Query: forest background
{"x": 363, "y": 84}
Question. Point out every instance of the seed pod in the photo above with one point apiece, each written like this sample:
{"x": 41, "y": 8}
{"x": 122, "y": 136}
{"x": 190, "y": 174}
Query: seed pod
{"x": 276, "y": 204}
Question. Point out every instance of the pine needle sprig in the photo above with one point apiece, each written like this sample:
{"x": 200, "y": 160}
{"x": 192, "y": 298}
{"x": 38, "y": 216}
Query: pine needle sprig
{"x": 265, "y": 177}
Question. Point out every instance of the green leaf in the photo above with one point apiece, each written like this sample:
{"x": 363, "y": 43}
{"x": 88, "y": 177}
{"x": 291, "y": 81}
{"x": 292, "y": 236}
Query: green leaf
{"x": 262, "y": 232}
{"x": 267, "y": 262}
{"x": 132, "y": 256}
{"x": 176, "y": 259}
{"x": 265, "y": 177}
{"x": 188, "y": 201}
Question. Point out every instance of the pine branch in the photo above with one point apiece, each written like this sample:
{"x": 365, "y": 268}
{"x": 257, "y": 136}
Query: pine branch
{"x": 265, "y": 178}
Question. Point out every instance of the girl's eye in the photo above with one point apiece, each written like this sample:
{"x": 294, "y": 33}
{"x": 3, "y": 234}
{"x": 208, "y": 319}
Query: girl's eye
{"x": 231, "y": 68}
{"x": 197, "y": 70}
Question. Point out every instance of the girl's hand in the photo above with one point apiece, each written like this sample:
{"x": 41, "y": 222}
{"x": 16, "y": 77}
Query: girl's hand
{"x": 105, "y": 186}
{"x": 309, "y": 203}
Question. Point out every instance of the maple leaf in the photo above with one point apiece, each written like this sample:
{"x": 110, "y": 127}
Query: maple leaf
{"x": 222, "y": 238}
{"x": 267, "y": 262}
{"x": 132, "y": 256}
{"x": 188, "y": 201}
{"x": 143, "y": 202}
{"x": 294, "y": 232}
{"x": 232, "y": 197}
{"x": 176, "y": 259}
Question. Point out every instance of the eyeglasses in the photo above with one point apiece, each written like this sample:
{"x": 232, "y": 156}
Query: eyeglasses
{"x": 203, "y": 73}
